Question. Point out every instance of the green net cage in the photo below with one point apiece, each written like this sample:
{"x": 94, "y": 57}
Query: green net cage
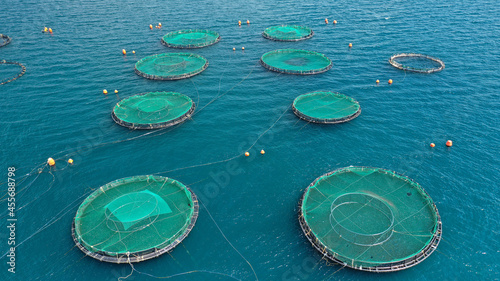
{"x": 295, "y": 61}
{"x": 153, "y": 110}
{"x": 288, "y": 33}
{"x": 4, "y": 40}
{"x": 135, "y": 219}
{"x": 326, "y": 107}
{"x": 190, "y": 38}
{"x": 370, "y": 219}
{"x": 416, "y": 63}
{"x": 20, "y": 72}
{"x": 171, "y": 66}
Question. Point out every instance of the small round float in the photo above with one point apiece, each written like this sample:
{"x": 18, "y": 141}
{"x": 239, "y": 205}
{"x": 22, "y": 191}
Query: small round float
{"x": 288, "y": 33}
{"x": 416, "y": 63}
{"x": 171, "y": 66}
{"x": 326, "y": 107}
{"x": 190, "y": 38}
{"x": 134, "y": 219}
{"x": 296, "y": 61}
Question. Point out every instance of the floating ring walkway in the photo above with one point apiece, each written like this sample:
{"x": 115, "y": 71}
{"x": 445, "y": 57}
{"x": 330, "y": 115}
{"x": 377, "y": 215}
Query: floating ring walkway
{"x": 23, "y": 70}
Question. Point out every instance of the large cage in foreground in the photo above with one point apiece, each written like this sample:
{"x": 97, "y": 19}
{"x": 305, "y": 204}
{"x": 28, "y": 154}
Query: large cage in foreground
{"x": 134, "y": 219}
{"x": 171, "y": 66}
{"x": 153, "y": 110}
{"x": 370, "y": 219}
{"x": 416, "y": 63}
{"x": 19, "y": 74}
{"x": 326, "y": 107}
{"x": 4, "y": 40}
{"x": 296, "y": 61}
{"x": 288, "y": 33}
{"x": 190, "y": 38}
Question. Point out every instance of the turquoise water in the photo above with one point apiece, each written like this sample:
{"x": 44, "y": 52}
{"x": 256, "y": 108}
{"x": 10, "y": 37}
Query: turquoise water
{"x": 57, "y": 109}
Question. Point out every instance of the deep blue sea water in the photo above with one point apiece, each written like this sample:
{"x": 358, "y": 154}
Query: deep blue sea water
{"x": 57, "y": 109}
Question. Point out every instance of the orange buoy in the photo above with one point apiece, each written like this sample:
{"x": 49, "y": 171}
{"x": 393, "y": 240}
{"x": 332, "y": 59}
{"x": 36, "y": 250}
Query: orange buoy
{"x": 326, "y": 20}
{"x": 116, "y": 91}
{"x": 50, "y": 30}
{"x": 248, "y": 22}
{"x": 105, "y": 91}
{"x": 377, "y": 81}
{"x": 70, "y": 161}
{"x": 159, "y": 24}
{"x": 133, "y": 52}
{"x": 247, "y": 154}
{"x": 234, "y": 49}
{"x": 262, "y": 152}
{"x": 243, "y": 48}
{"x": 151, "y": 26}
{"x": 350, "y": 45}
{"x": 334, "y": 22}
{"x": 390, "y": 81}
{"x": 124, "y": 52}
{"x": 239, "y": 22}
{"x": 449, "y": 143}
{"x": 51, "y": 162}
{"x": 432, "y": 144}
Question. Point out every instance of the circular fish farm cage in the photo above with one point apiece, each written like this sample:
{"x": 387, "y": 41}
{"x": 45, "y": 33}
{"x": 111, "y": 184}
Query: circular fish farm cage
{"x": 288, "y": 33}
{"x": 326, "y": 107}
{"x": 170, "y": 66}
{"x": 19, "y": 74}
{"x": 4, "y": 40}
{"x": 295, "y": 61}
{"x": 135, "y": 219}
{"x": 416, "y": 63}
{"x": 153, "y": 110}
{"x": 370, "y": 219}
{"x": 190, "y": 38}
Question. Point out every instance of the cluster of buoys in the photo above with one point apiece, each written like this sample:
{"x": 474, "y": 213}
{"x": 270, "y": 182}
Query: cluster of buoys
{"x": 51, "y": 162}
{"x": 157, "y": 26}
{"x": 326, "y": 21}
{"x": 448, "y": 143}
{"x": 261, "y": 152}
{"x": 45, "y": 30}
{"x": 334, "y": 21}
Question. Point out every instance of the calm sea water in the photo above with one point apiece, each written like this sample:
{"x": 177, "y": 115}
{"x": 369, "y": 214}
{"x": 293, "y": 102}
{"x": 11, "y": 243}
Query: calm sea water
{"x": 58, "y": 110}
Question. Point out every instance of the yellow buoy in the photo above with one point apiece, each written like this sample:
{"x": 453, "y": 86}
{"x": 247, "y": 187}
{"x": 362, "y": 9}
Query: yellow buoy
{"x": 377, "y": 81}
{"x": 45, "y": 29}
{"x": 133, "y": 52}
{"x": 334, "y": 22}
{"x": 350, "y": 45}
{"x": 51, "y": 162}
{"x": 105, "y": 91}
{"x": 50, "y": 30}
{"x": 432, "y": 144}
{"x": 151, "y": 26}
{"x": 234, "y": 49}
{"x": 124, "y": 52}
{"x": 247, "y": 153}
{"x": 248, "y": 22}
{"x": 243, "y": 48}
{"x": 449, "y": 143}
{"x": 70, "y": 161}
{"x": 116, "y": 91}
{"x": 390, "y": 81}
{"x": 239, "y": 22}
{"x": 262, "y": 152}
{"x": 159, "y": 24}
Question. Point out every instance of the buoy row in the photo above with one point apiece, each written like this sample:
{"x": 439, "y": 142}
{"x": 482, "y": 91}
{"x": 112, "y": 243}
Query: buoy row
{"x": 449, "y": 143}
{"x": 243, "y": 48}
{"x": 334, "y": 21}
{"x": 45, "y": 30}
{"x": 106, "y": 91}
{"x": 261, "y": 152}
{"x": 389, "y": 81}
{"x": 52, "y": 162}
{"x": 239, "y": 22}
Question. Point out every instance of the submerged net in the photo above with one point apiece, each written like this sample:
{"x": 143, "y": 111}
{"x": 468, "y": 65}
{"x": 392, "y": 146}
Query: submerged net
{"x": 9, "y": 72}
{"x": 416, "y": 63}
{"x": 370, "y": 219}
{"x": 4, "y": 40}
{"x": 326, "y": 107}
{"x": 294, "y": 61}
{"x": 190, "y": 38}
{"x": 134, "y": 219}
{"x": 171, "y": 66}
{"x": 288, "y": 33}
{"x": 153, "y": 110}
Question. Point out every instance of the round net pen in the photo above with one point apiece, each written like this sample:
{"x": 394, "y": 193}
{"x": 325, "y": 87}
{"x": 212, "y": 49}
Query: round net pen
{"x": 326, "y": 107}
{"x": 295, "y": 61}
{"x": 153, "y": 110}
{"x": 416, "y": 63}
{"x": 171, "y": 66}
{"x": 135, "y": 219}
{"x": 19, "y": 74}
{"x": 4, "y": 40}
{"x": 370, "y": 219}
{"x": 190, "y": 38}
{"x": 288, "y": 33}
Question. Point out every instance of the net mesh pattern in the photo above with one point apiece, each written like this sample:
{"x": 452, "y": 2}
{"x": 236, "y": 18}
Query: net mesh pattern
{"x": 326, "y": 107}
{"x": 370, "y": 219}
{"x": 190, "y": 38}
{"x": 135, "y": 219}
{"x": 288, "y": 33}
{"x": 295, "y": 61}
{"x": 171, "y": 66}
{"x": 153, "y": 110}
